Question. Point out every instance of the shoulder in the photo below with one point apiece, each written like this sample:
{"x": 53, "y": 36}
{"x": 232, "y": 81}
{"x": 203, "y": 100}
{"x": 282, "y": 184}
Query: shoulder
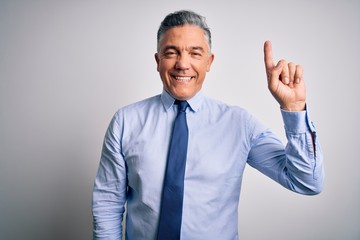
{"x": 137, "y": 110}
{"x": 140, "y": 105}
{"x": 238, "y": 118}
{"x": 224, "y": 108}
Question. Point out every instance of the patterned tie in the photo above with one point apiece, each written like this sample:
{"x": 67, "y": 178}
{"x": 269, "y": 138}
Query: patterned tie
{"x": 173, "y": 189}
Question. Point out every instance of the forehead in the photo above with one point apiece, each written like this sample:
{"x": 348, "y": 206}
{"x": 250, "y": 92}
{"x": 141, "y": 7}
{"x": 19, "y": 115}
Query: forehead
{"x": 184, "y": 36}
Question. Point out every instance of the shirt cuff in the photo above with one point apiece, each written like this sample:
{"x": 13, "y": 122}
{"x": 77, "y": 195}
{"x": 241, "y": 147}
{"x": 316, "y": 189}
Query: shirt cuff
{"x": 297, "y": 122}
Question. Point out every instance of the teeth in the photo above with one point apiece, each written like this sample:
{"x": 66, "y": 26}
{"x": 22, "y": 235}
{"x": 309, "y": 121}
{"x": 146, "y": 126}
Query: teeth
{"x": 183, "y": 78}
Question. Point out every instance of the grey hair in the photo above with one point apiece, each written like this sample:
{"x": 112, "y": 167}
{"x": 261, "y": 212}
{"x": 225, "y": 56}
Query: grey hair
{"x": 180, "y": 18}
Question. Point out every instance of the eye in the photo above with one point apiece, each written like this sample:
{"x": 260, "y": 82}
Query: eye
{"x": 196, "y": 54}
{"x": 170, "y": 54}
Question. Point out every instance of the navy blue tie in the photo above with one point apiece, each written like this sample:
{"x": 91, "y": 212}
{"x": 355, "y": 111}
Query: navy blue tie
{"x": 173, "y": 188}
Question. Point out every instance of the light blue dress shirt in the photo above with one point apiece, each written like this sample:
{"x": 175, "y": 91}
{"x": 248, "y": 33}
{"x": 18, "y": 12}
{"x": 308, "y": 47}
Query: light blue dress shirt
{"x": 222, "y": 139}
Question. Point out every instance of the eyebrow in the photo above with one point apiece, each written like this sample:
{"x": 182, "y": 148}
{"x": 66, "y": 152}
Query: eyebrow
{"x": 195, "y": 48}
{"x": 169, "y": 47}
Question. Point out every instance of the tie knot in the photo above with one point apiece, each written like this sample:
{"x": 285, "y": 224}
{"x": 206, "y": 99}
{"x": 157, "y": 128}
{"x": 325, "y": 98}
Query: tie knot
{"x": 182, "y": 105}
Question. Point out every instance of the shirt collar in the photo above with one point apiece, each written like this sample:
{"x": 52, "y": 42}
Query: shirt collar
{"x": 194, "y": 102}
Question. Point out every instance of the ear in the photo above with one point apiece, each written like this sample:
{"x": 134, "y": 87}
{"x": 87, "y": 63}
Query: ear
{"x": 210, "y": 61}
{"x": 157, "y": 59}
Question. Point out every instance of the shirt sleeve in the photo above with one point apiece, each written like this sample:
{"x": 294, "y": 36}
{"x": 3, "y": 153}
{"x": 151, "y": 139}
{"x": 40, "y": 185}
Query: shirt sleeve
{"x": 297, "y": 166}
{"x": 109, "y": 193}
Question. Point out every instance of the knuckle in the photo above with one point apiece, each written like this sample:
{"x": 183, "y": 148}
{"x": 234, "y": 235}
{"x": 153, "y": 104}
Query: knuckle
{"x": 283, "y": 61}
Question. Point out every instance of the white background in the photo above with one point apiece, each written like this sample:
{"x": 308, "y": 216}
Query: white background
{"x": 67, "y": 66}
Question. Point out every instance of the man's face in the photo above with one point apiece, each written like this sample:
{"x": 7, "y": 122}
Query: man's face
{"x": 182, "y": 60}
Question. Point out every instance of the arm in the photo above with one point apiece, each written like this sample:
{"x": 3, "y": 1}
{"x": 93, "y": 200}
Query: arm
{"x": 285, "y": 82}
{"x": 109, "y": 194}
{"x": 298, "y": 167}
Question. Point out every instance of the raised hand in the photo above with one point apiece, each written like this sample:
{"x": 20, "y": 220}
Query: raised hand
{"x": 285, "y": 81}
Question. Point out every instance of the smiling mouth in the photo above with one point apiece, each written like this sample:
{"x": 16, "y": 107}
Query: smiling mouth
{"x": 182, "y": 79}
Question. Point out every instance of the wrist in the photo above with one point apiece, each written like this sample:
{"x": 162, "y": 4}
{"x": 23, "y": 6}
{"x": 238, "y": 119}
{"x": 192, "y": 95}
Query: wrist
{"x": 294, "y": 107}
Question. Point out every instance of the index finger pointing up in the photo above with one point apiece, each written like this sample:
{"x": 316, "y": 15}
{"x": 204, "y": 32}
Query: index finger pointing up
{"x": 268, "y": 57}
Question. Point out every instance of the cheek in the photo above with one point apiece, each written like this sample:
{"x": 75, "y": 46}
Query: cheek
{"x": 163, "y": 68}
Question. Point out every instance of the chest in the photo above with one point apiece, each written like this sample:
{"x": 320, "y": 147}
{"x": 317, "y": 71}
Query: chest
{"x": 217, "y": 148}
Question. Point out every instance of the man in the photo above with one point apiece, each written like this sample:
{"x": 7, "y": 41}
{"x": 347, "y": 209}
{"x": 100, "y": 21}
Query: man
{"x": 221, "y": 140}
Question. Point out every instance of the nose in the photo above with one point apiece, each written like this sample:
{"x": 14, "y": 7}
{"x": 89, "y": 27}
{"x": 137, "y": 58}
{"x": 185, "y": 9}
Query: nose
{"x": 183, "y": 62}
